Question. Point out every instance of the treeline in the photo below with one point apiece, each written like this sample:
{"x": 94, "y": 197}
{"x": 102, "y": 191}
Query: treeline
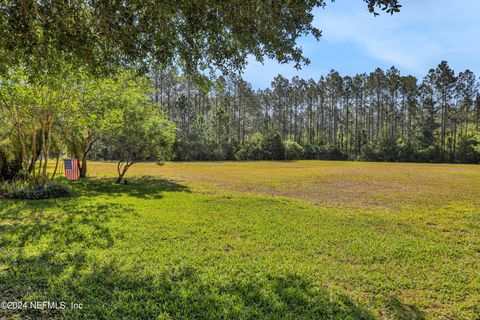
{"x": 381, "y": 116}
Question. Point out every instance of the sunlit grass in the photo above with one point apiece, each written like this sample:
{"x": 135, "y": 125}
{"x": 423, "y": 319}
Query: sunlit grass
{"x": 306, "y": 239}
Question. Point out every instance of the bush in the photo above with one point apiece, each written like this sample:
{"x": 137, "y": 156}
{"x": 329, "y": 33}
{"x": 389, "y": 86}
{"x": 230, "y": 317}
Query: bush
{"x": 369, "y": 153}
{"x": 30, "y": 190}
{"x": 468, "y": 149}
{"x": 9, "y": 167}
{"x": 406, "y": 152}
{"x": 310, "y": 152}
{"x": 335, "y": 153}
{"x": 252, "y": 148}
{"x": 431, "y": 154}
{"x": 192, "y": 148}
{"x": 322, "y": 153}
{"x": 241, "y": 154}
{"x": 273, "y": 146}
{"x": 293, "y": 151}
{"x": 388, "y": 149}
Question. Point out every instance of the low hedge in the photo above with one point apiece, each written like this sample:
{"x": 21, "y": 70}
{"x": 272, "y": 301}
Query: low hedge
{"x": 35, "y": 191}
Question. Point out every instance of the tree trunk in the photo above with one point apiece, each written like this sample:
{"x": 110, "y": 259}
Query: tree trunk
{"x": 120, "y": 178}
{"x": 57, "y": 162}
{"x": 122, "y": 170}
{"x": 31, "y": 168}
{"x": 83, "y": 167}
{"x": 86, "y": 147}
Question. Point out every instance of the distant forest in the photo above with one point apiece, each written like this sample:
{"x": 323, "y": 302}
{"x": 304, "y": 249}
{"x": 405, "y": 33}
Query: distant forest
{"x": 381, "y": 116}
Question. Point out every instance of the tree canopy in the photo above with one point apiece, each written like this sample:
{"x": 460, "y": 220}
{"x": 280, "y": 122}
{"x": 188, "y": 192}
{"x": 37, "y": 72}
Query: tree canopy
{"x": 72, "y": 112}
{"x": 195, "y": 35}
{"x": 68, "y": 70}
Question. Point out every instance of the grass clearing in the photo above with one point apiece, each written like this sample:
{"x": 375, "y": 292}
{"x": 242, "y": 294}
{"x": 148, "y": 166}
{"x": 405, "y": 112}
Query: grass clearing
{"x": 306, "y": 239}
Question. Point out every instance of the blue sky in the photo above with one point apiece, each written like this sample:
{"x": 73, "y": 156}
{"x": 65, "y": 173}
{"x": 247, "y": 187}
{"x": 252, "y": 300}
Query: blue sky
{"x": 423, "y": 34}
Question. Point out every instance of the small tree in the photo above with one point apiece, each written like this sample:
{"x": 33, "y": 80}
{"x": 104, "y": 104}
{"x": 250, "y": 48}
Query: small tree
{"x": 32, "y": 111}
{"x": 251, "y": 148}
{"x": 273, "y": 146}
{"x": 293, "y": 151}
{"x": 469, "y": 148}
{"x": 144, "y": 135}
{"x": 99, "y": 109}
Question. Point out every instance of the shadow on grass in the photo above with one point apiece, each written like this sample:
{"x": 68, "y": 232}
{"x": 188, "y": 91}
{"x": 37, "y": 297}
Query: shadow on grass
{"x": 64, "y": 223}
{"x": 63, "y": 250}
{"x": 176, "y": 293}
{"x": 402, "y": 311}
{"x": 144, "y": 187}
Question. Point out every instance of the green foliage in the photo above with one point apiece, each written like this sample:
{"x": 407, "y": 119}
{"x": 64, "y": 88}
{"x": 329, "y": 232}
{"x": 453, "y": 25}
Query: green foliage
{"x": 195, "y": 35}
{"x": 406, "y": 152}
{"x": 469, "y": 149}
{"x": 144, "y": 134}
{"x": 192, "y": 148}
{"x": 388, "y": 149}
{"x": 322, "y": 152}
{"x": 293, "y": 151}
{"x": 10, "y": 164}
{"x": 99, "y": 107}
{"x": 392, "y": 116}
{"x": 430, "y": 154}
{"x": 252, "y": 148}
{"x": 71, "y": 108}
{"x": 311, "y": 152}
{"x": 269, "y": 147}
{"x": 27, "y": 189}
{"x": 9, "y": 168}
{"x": 206, "y": 141}
{"x": 273, "y": 146}
{"x": 389, "y": 6}
{"x": 369, "y": 153}
{"x": 334, "y": 152}
{"x": 38, "y": 113}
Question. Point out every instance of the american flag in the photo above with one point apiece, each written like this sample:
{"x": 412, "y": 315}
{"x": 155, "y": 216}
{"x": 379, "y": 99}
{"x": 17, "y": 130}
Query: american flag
{"x": 71, "y": 169}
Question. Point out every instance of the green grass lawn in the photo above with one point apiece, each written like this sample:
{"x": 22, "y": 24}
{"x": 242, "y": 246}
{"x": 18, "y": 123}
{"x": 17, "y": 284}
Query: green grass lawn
{"x": 254, "y": 240}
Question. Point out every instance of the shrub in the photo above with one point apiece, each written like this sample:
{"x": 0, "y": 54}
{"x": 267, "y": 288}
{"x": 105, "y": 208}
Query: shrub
{"x": 293, "y": 151}
{"x": 241, "y": 154}
{"x": 369, "y": 153}
{"x": 431, "y": 154}
{"x": 252, "y": 148}
{"x": 388, "y": 149}
{"x": 310, "y": 152}
{"x": 273, "y": 146}
{"x": 468, "y": 149}
{"x": 9, "y": 167}
{"x": 406, "y": 152}
{"x": 335, "y": 153}
{"x": 35, "y": 190}
{"x": 322, "y": 153}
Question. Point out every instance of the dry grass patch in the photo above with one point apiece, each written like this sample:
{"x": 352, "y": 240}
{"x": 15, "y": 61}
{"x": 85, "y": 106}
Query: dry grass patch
{"x": 327, "y": 183}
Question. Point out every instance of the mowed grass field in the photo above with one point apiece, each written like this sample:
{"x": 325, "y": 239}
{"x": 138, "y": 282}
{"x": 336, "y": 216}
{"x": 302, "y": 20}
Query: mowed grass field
{"x": 251, "y": 240}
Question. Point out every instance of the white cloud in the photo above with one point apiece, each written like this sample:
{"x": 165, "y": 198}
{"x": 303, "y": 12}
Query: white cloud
{"x": 424, "y": 33}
